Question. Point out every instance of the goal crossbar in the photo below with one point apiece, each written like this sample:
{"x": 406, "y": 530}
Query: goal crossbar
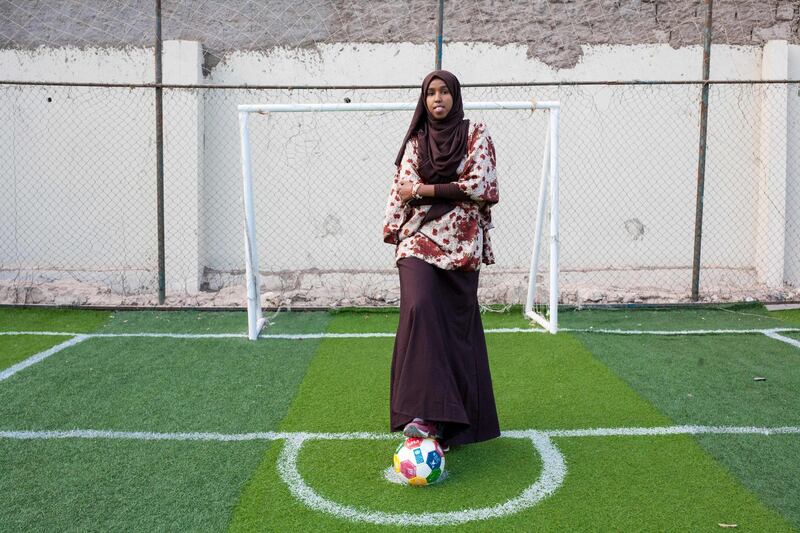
{"x": 550, "y": 170}
{"x": 392, "y": 106}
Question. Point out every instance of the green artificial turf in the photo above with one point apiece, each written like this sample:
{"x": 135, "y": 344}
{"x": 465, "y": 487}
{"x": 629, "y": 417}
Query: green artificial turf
{"x": 731, "y": 316}
{"x": 119, "y": 485}
{"x": 502, "y": 467}
{"x": 655, "y": 483}
{"x": 177, "y": 322}
{"x": 363, "y": 320}
{"x": 677, "y": 482}
{"x": 544, "y": 381}
{"x": 346, "y": 388}
{"x": 767, "y": 465}
{"x": 791, "y": 316}
{"x": 51, "y": 319}
{"x": 157, "y": 384}
{"x": 645, "y": 483}
{"x": 709, "y": 380}
{"x": 16, "y": 348}
{"x": 745, "y": 316}
{"x": 203, "y": 322}
{"x": 540, "y": 381}
{"x": 146, "y": 384}
{"x": 385, "y": 320}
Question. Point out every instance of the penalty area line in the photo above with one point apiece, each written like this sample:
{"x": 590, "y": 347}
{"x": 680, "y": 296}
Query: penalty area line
{"x": 770, "y": 332}
{"x": 10, "y": 371}
{"x": 679, "y": 332}
{"x": 551, "y": 478}
{"x": 304, "y": 435}
{"x": 773, "y": 334}
{"x": 673, "y": 430}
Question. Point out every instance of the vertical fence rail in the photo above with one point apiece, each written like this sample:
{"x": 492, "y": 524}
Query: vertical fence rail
{"x": 160, "y": 159}
{"x": 439, "y": 35}
{"x": 701, "y": 157}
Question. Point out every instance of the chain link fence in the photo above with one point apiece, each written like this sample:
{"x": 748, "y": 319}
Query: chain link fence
{"x": 78, "y": 210}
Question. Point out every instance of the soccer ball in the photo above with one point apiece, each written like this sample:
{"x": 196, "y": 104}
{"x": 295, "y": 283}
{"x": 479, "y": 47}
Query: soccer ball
{"x": 419, "y": 461}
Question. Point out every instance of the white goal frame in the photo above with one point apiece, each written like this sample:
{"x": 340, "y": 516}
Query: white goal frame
{"x": 549, "y": 176}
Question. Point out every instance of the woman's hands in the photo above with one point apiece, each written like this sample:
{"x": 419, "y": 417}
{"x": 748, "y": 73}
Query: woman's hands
{"x": 405, "y": 188}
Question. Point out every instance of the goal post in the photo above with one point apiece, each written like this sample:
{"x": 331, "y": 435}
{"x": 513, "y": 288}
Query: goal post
{"x": 255, "y": 317}
{"x": 544, "y": 313}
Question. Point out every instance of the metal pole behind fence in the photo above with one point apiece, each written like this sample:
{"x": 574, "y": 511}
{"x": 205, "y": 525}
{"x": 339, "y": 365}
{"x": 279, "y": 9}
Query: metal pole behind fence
{"x": 439, "y": 33}
{"x": 159, "y": 160}
{"x": 701, "y": 159}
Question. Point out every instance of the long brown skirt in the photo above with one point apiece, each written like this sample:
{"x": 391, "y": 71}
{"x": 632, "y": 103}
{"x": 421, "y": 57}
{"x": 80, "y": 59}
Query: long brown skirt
{"x": 440, "y": 366}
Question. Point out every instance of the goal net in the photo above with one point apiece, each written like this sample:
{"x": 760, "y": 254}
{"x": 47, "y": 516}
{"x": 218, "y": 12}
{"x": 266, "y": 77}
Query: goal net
{"x": 314, "y": 191}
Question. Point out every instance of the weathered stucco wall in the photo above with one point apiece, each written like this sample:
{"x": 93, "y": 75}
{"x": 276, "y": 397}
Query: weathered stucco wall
{"x": 552, "y": 31}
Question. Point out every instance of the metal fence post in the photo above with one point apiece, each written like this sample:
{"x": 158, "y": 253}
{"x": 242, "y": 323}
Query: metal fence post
{"x": 439, "y": 33}
{"x": 701, "y": 158}
{"x": 159, "y": 160}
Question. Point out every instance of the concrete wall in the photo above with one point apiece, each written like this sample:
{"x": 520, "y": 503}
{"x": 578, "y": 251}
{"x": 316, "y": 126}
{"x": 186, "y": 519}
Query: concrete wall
{"x": 792, "y": 248}
{"x": 77, "y": 169}
{"x": 628, "y": 161}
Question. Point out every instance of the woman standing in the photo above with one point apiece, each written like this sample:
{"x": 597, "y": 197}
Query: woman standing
{"x": 438, "y": 215}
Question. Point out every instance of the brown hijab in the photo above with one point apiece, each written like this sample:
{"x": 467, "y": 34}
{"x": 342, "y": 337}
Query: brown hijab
{"x": 442, "y": 144}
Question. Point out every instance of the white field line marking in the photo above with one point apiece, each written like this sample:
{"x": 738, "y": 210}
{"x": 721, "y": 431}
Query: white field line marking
{"x": 671, "y": 430}
{"x": 136, "y": 435}
{"x": 301, "y": 336}
{"x": 10, "y": 371}
{"x": 158, "y": 335}
{"x": 675, "y": 332}
{"x": 202, "y": 436}
{"x": 554, "y": 470}
{"x": 284, "y": 435}
{"x": 554, "y": 467}
{"x": 772, "y": 334}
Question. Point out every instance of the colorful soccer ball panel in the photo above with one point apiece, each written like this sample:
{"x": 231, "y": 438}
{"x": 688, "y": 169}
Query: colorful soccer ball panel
{"x": 408, "y": 469}
{"x": 434, "y": 460}
{"x": 434, "y": 475}
{"x": 412, "y": 442}
{"x": 420, "y": 460}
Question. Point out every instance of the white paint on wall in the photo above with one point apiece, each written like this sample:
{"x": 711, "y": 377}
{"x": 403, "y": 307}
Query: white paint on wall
{"x": 78, "y": 65}
{"x": 628, "y": 167}
{"x": 183, "y": 166}
{"x": 792, "y": 250}
{"x": 407, "y": 64}
{"x": 771, "y": 171}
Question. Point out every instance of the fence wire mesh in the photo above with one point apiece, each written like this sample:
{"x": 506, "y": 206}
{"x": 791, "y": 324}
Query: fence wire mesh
{"x": 78, "y": 213}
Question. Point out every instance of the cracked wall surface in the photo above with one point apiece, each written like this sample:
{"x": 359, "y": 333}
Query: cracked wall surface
{"x": 553, "y": 30}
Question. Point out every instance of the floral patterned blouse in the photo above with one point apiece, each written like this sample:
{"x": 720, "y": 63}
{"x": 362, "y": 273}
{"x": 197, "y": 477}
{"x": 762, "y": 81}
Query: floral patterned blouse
{"x": 459, "y": 239}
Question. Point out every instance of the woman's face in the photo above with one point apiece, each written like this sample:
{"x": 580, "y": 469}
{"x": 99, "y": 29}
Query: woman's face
{"x": 438, "y": 99}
